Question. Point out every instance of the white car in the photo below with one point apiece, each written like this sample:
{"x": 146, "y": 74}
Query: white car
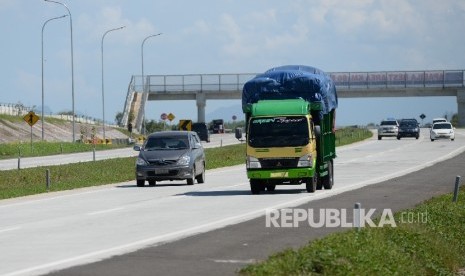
{"x": 442, "y": 130}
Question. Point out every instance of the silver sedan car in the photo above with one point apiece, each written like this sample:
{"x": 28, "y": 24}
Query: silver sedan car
{"x": 170, "y": 155}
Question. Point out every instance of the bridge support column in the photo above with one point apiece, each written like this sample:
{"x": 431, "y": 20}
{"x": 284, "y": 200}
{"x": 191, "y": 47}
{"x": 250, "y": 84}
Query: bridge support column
{"x": 461, "y": 107}
{"x": 201, "y": 103}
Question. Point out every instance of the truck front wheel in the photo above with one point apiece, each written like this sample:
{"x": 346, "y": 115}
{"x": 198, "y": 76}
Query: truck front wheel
{"x": 255, "y": 186}
{"x": 270, "y": 187}
{"x": 311, "y": 183}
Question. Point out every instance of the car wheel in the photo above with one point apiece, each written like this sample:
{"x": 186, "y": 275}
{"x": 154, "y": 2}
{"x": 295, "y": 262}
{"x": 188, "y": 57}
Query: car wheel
{"x": 140, "y": 183}
{"x": 398, "y": 137}
{"x": 255, "y": 186}
{"x": 379, "y": 137}
{"x": 152, "y": 183}
{"x": 190, "y": 181}
{"x": 432, "y": 140}
{"x": 201, "y": 177}
{"x": 311, "y": 183}
{"x": 452, "y": 139}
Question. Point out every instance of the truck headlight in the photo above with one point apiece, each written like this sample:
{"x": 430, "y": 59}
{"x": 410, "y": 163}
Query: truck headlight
{"x": 252, "y": 163}
{"x": 305, "y": 161}
{"x": 141, "y": 162}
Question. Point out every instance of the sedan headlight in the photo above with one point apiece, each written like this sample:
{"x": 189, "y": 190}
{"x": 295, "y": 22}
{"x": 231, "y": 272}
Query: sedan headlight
{"x": 184, "y": 160}
{"x": 141, "y": 162}
{"x": 252, "y": 163}
{"x": 305, "y": 161}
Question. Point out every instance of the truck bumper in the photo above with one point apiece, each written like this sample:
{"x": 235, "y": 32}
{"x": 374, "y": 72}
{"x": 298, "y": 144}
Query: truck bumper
{"x": 296, "y": 173}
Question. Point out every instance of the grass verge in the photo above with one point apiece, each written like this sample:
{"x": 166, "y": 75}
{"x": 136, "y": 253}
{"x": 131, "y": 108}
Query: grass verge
{"x": 15, "y": 183}
{"x": 431, "y": 246}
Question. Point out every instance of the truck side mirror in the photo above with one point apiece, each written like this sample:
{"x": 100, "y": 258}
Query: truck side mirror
{"x": 238, "y": 133}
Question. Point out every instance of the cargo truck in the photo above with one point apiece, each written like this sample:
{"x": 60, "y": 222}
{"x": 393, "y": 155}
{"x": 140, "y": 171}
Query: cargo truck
{"x": 290, "y": 116}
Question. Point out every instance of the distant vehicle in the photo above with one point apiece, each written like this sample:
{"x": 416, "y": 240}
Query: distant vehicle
{"x": 170, "y": 155}
{"x": 408, "y": 128}
{"x": 202, "y": 130}
{"x": 442, "y": 130}
{"x": 388, "y": 128}
{"x": 217, "y": 126}
{"x": 290, "y": 137}
{"x": 439, "y": 120}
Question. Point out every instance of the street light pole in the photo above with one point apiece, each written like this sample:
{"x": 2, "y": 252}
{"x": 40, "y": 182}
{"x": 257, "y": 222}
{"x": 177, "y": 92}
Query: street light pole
{"x": 144, "y": 92}
{"x": 43, "y": 26}
{"x": 72, "y": 63}
{"x": 103, "y": 93}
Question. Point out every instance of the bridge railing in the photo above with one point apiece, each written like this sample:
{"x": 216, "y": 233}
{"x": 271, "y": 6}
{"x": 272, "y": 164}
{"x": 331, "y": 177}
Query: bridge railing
{"x": 345, "y": 80}
{"x": 399, "y": 79}
{"x": 194, "y": 82}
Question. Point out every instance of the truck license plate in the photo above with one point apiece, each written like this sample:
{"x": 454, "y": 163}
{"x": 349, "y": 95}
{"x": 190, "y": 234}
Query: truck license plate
{"x": 279, "y": 174}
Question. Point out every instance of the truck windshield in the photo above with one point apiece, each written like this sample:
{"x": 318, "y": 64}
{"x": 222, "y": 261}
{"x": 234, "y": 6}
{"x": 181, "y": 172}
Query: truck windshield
{"x": 290, "y": 131}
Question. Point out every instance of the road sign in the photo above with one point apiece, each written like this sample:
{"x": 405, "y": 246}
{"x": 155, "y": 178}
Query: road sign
{"x": 185, "y": 125}
{"x": 163, "y": 116}
{"x": 234, "y": 117}
{"x": 171, "y": 117}
{"x": 31, "y": 118}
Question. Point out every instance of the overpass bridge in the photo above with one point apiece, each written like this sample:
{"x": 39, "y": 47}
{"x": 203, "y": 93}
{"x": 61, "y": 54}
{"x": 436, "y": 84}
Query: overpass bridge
{"x": 203, "y": 87}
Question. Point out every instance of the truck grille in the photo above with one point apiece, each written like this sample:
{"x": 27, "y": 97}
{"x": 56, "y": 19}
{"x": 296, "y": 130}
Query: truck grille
{"x": 274, "y": 163}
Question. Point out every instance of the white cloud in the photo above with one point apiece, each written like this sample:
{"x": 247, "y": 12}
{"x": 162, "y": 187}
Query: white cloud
{"x": 111, "y": 17}
{"x": 235, "y": 43}
{"x": 199, "y": 27}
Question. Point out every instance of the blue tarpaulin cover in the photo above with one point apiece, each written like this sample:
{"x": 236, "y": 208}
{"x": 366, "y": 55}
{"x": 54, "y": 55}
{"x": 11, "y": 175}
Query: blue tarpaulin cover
{"x": 291, "y": 82}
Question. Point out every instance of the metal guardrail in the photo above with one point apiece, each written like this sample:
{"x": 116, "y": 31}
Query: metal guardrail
{"x": 345, "y": 80}
{"x": 399, "y": 79}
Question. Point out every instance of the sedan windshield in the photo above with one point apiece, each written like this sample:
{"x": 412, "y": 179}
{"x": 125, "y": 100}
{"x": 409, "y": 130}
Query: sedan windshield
{"x": 408, "y": 124}
{"x": 389, "y": 123}
{"x": 442, "y": 126}
{"x": 290, "y": 131}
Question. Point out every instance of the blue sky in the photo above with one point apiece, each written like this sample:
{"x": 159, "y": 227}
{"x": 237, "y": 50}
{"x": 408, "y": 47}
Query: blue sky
{"x": 224, "y": 36}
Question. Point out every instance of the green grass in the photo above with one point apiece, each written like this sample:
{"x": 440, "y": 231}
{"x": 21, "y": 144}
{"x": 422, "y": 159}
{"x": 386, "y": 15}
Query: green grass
{"x": 430, "y": 246}
{"x": 349, "y": 135}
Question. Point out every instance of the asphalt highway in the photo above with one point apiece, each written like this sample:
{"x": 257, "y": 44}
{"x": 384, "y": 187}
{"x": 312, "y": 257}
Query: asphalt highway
{"x": 217, "y": 140}
{"x": 211, "y": 228}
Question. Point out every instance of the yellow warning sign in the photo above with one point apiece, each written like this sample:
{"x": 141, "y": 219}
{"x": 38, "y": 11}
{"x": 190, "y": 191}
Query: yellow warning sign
{"x": 171, "y": 117}
{"x": 31, "y": 118}
{"x": 185, "y": 125}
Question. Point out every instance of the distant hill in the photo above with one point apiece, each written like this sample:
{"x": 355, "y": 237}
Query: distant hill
{"x": 15, "y": 129}
{"x": 226, "y": 113}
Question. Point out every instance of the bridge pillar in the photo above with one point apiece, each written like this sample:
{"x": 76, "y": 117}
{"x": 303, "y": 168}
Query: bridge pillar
{"x": 201, "y": 103}
{"x": 461, "y": 107}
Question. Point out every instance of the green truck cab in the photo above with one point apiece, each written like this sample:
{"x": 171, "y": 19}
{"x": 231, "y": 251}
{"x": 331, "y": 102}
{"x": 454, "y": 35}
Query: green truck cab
{"x": 290, "y": 141}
